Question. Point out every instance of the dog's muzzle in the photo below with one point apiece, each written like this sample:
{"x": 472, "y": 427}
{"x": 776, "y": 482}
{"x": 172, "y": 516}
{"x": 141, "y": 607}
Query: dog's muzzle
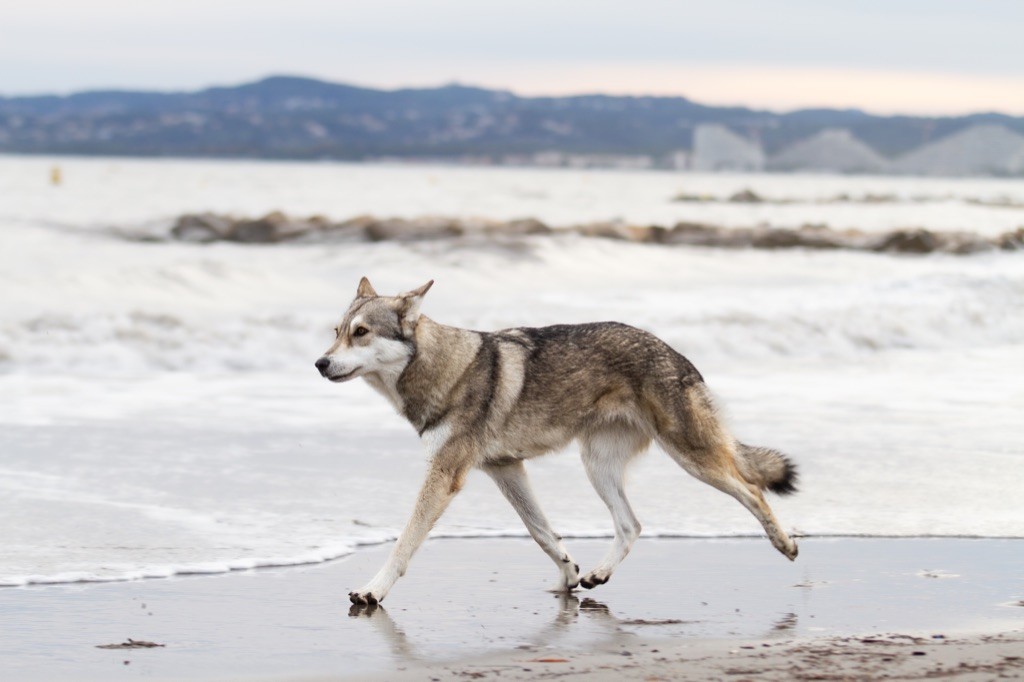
{"x": 322, "y": 364}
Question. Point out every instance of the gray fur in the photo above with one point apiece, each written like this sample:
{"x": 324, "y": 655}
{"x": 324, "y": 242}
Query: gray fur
{"x": 492, "y": 400}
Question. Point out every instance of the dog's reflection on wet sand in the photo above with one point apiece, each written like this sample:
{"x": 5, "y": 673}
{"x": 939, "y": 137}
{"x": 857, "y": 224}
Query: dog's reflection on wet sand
{"x": 570, "y": 608}
{"x": 615, "y": 631}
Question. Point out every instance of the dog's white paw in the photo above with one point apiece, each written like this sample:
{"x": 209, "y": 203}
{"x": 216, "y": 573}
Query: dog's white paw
{"x": 595, "y": 578}
{"x": 569, "y": 579}
{"x": 366, "y": 597}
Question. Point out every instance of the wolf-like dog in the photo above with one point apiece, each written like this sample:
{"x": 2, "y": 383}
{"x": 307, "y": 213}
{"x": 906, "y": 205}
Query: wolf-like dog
{"x": 493, "y": 400}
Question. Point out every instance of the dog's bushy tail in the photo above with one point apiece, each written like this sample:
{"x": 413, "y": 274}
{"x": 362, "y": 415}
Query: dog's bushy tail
{"x": 767, "y": 469}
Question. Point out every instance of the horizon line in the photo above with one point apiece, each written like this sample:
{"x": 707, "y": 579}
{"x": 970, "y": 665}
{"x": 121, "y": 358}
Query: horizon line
{"x": 611, "y": 92}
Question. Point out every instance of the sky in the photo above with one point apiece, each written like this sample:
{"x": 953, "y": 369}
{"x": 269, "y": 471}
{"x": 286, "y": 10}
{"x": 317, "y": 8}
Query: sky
{"x": 929, "y": 57}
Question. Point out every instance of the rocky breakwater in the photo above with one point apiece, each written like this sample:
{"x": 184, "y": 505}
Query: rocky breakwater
{"x": 277, "y": 227}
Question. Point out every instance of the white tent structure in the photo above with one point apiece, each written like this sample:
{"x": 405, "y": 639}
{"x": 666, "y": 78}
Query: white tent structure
{"x": 716, "y": 148}
{"x": 834, "y": 150}
{"x": 978, "y": 150}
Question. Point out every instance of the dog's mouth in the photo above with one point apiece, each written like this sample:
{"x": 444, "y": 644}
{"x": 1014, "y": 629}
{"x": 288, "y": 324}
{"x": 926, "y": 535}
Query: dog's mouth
{"x": 338, "y": 378}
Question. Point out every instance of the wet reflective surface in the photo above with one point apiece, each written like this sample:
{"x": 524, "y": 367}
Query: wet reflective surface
{"x": 469, "y": 597}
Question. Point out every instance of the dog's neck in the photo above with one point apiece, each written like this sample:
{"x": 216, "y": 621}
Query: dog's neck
{"x": 419, "y": 389}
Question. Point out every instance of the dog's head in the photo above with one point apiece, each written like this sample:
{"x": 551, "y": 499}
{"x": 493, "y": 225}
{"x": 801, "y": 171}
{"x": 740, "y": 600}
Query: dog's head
{"x": 375, "y": 336}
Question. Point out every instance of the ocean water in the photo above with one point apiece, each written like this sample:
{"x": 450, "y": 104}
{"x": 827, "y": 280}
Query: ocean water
{"x": 160, "y": 413}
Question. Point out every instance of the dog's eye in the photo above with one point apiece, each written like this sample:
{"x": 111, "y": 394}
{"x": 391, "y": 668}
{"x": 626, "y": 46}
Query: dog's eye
{"x": 361, "y": 331}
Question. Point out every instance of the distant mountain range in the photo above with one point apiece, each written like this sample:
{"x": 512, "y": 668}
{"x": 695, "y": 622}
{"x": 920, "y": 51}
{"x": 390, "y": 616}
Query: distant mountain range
{"x": 301, "y": 118}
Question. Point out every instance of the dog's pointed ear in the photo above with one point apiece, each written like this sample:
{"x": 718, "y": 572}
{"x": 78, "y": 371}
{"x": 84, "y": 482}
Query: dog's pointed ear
{"x": 410, "y": 309}
{"x": 365, "y": 289}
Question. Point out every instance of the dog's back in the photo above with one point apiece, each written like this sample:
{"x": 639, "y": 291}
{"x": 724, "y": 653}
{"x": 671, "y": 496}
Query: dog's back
{"x": 592, "y": 377}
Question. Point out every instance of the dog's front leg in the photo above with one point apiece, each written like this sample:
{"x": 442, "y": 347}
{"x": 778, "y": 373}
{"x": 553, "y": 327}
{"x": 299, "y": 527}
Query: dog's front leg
{"x": 515, "y": 486}
{"x": 446, "y": 476}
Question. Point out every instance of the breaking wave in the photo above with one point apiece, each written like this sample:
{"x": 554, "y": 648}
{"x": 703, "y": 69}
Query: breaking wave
{"x": 941, "y": 310}
{"x": 343, "y": 549}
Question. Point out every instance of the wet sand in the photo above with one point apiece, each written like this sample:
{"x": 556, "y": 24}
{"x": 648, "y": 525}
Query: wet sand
{"x": 891, "y": 656}
{"x": 677, "y": 609}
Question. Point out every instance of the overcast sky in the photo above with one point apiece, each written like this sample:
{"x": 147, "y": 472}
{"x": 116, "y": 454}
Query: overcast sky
{"x": 905, "y": 56}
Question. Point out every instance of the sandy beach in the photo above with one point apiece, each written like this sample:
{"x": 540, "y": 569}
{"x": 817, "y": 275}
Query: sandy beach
{"x": 893, "y": 657}
{"x": 677, "y": 609}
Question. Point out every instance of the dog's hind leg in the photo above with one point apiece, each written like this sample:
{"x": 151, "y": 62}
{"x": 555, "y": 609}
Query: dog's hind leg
{"x": 515, "y": 486}
{"x": 716, "y": 466}
{"x": 752, "y": 498}
{"x": 691, "y": 432}
{"x": 606, "y": 453}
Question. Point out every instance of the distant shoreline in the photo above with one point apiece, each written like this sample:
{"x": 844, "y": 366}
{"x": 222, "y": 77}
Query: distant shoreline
{"x": 471, "y": 161}
{"x": 284, "y": 117}
{"x": 630, "y": 163}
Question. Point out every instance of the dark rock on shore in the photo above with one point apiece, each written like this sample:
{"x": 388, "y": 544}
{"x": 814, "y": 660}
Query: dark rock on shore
{"x": 521, "y": 227}
{"x": 1011, "y": 241}
{"x": 908, "y": 241}
{"x": 271, "y": 228}
{"x": 401, "y": 230}
{"x": 746, "y": 196}
{"x": 201, "y": 227}
{"x": 925, "y": 241}
{"x": 762, "y": 237}
{"x": 618, "y": 231}
{"x": 277, "y": 227}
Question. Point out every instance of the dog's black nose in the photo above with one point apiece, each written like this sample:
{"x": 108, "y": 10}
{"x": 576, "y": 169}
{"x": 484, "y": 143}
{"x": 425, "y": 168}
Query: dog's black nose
{"x": 322, "y": 364}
